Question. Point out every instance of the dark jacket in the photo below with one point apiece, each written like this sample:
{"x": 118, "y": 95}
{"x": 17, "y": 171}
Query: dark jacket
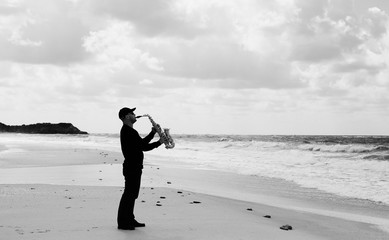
{"x": 133, "y": 147}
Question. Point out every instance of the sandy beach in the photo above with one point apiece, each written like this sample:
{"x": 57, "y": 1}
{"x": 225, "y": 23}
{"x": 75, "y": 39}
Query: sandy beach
{"x": 73, "y": 193}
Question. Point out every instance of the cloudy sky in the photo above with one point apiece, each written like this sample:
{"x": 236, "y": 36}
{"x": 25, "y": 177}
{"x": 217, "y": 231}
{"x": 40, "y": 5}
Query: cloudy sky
{"x": 198, "y": 66}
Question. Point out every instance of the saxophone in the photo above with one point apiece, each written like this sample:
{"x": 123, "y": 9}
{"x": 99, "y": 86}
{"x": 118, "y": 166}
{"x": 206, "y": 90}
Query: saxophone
{"x": 164, "y": 135}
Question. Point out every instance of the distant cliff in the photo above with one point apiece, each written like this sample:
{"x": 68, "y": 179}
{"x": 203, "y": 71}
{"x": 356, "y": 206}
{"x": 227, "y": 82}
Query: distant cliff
{"x": 42, "y": 128}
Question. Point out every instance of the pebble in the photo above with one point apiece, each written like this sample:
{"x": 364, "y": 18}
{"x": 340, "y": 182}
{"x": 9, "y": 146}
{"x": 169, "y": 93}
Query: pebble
{"x": 286, "y": 227}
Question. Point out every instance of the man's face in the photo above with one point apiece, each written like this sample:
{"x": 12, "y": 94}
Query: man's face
{"x": 131, "y": 117}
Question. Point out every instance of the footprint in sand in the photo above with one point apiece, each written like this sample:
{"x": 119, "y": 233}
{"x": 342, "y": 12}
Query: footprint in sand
{"x": 19, "y": 231}
{"x": 42, "y": 231}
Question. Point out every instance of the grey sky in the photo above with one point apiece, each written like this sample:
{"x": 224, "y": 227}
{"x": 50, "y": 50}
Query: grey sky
{"x": 215, "y": 66}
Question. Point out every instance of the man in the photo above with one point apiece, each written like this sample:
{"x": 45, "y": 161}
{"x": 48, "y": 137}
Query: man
{"x": 133, "y": 147}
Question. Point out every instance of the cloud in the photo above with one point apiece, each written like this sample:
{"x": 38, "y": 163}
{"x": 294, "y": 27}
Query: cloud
{"x": 220, "y": 55}
{"x": 376, "y": 22}
{"x": 250, "y": 45}
{"x": 43, "y": 32}
{"x": 8, "y": 9}
{"x": 225, "y": 64}
{"x": 146, "y": 82}
{"x": 339, "y": 50}
{"x": 150, "y": 17}
{"x": 336, "y": 30}
{"x": 310, "y": 9}
{"x": 358, "y": 66}
{"x": 256, "y": 58}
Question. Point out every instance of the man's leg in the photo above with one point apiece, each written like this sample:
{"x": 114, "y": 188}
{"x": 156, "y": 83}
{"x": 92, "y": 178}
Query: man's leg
{"x": 126, "y": 216}
{"x": 136, "y": 180}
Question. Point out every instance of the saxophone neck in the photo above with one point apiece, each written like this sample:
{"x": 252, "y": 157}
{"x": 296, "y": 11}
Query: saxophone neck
{"x": 150, "y": 118}
{"x": 144, "y": 115}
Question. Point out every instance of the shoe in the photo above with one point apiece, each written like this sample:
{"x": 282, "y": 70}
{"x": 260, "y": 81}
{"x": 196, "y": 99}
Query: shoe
{"x": 126, "y": 227}
{"x": 137, "y": 224}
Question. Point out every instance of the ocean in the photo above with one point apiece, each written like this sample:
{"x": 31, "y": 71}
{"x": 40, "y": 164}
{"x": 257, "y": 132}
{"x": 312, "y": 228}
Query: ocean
{"x": 348, "y": 166}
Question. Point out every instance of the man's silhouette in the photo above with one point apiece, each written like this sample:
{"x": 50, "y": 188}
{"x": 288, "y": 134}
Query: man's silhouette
{"x": 133, "y": 147}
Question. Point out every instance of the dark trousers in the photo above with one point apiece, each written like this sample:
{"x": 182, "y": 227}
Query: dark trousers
{"x": 131, "y": 192}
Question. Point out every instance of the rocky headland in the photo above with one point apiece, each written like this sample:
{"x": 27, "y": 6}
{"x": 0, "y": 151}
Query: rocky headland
{"x": 42, "y": 128}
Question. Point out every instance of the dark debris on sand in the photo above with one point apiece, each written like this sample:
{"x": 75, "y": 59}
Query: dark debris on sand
{"x": 286, "y": 227}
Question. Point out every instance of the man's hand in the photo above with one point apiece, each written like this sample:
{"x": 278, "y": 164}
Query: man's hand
{"x": 162, "y": 139}
{"x": 154, "y": 130}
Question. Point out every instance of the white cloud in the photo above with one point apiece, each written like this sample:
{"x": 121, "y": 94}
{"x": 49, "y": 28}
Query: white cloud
{"x": 116, "y": 47}
{"x": 146, "y": 82}
{"x": 160, "y": 20}
{"x": 42, "y": 32}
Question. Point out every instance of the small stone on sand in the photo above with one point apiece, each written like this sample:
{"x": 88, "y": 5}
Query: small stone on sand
{"x": 286, "y": 227}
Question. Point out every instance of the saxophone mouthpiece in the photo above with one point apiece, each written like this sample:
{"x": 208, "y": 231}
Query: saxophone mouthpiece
{"x": 138, "y": 116}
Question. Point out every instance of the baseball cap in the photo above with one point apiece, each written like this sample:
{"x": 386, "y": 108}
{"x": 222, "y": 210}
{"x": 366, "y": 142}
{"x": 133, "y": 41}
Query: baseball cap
{"x": 124, "y": 111}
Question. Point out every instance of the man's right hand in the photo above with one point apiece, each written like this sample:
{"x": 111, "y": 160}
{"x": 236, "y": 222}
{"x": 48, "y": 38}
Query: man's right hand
{"x": 162, "y": 139}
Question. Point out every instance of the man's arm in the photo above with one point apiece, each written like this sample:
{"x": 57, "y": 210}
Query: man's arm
{"x": 149, "y": 137}
{"x": 146, "y": 145}
{"x": 150, "y": 146}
